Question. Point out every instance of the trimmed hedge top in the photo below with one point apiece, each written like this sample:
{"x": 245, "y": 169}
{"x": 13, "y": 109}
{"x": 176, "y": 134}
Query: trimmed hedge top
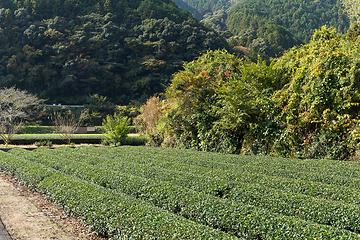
{"x": 215, "y": 190}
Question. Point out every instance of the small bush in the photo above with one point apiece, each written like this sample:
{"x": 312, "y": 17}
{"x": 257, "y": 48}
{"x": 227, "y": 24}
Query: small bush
{"x": 116, "y": 128}
{"x": 44, "y": 143}
{"x": 149, "y": 121}
{"x": 135, "y": 140}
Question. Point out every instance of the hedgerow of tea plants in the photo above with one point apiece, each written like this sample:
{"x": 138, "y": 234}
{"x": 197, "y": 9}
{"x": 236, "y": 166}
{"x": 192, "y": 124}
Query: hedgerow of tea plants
{"x": 322, "y": 171}
{"x": 217, "y": 173}
{"x": 240, "y": 190}
{"x": 108, "y": 213}
{"x": 182, "y": 201}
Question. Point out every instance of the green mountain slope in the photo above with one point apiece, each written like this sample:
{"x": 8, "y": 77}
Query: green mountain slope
{"x": 262, "y": 37}
{"x": 300, "y": 17}
{"x": 352, "y": 8}
{"x": 130, "y": 12}
{"x": 206, "y": 6}
{"x": 126, "y": 50}
{"x": 268, "y": 27}
{"x": 187, "y": 7}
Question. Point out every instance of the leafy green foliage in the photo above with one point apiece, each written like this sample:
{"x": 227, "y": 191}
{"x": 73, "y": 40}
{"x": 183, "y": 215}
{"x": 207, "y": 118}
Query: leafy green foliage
{"x": 36, "y": 130}
{"x": 214, "y": 101}
{"x": 320, "y": 103}
{"x": 217, "y": 174}
{"x": 116, "y": 128}
{"x": 213, "y": 172}
{"x": 28, "y": 139}
{"x": 95, "y": 110}
{"x": 304, "y": 104}
{"x": 43, "y": 143}
{"x": 352, "y": 8}
{"x": 192, "y": 102}
{"x": 216, "y": 20}
{"x": 128, "y": 11}
{"x": 206, "y": 6}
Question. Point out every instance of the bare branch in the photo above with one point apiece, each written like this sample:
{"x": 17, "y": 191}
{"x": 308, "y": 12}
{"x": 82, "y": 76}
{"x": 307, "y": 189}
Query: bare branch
{"x": 14, "y": 105}
{"x": 66, "y": 125}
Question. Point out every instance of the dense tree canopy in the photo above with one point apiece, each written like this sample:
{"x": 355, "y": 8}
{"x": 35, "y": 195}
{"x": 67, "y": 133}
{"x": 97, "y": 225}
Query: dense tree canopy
{"x": 213, "y": 102}
{"x": 300, "y": 17}
{"x": 304, "y": 104}
{"x": 352, "y": 7}
{"x": 64, "y": 51}
{"x": 216, "y": 20}
{"x": 267, "y": 28}
{"x": 263, "y": 37}
{"x": 128, "y": 12}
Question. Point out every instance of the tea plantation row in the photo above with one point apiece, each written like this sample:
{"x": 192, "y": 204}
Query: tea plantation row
{"x": 28, "y": 139}
{"x": 223, "y": 196}
{"x": 107, "y": 212}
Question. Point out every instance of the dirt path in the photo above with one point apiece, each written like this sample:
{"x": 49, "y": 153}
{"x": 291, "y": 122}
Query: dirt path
{"x": 28, "y": 215}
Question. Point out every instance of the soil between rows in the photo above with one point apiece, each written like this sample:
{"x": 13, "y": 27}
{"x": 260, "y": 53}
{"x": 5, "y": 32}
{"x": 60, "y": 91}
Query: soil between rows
{"x": 29, "y": 215}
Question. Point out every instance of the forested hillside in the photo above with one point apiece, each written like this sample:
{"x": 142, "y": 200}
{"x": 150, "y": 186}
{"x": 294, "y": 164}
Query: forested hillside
{"x": 352, "y": 8}
{"x": 206, "y": 6}
{"x": 126, "y": 50}
{"x": 262, "y": 37}
{"x": 187, "y": 7}
{"x": 267, "y": 28}
{"x": 301, "y": 18}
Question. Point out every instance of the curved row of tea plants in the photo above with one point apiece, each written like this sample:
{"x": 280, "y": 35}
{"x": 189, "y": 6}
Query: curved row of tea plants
{"x": 231, "y": 162}
{"x": 109, "y": 213}
{"x": 211, "y": 179}
{"x": 208, "y": 209}
{"x": 322, "y": 171}
{"x": 26, "y": 139}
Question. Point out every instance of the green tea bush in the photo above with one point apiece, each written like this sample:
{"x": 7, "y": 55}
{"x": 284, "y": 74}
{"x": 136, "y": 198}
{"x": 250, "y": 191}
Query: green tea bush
{"x": 107, "y": 212}
{"x": 28, "y": 139}
{"x": 188, "y": 203}
{"x": 321, "y": 178}
{"x": 118, "y": 216}
{"x": 230, "y": 216}
{"x": 47, "y": 143}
